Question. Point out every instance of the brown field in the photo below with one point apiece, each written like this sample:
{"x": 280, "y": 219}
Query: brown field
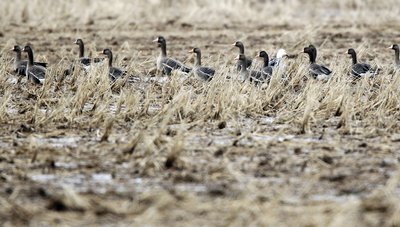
{"x": 177, "y": 151}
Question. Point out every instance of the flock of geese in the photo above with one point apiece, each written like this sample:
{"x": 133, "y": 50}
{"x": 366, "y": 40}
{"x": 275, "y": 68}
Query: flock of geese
{"x": 36, "y": 71}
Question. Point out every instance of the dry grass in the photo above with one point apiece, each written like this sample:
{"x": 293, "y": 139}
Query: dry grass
{"x": 179, "y": 151}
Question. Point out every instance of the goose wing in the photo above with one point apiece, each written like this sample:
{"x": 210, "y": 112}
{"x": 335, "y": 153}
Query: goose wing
{"x": 267, "y": 71}
{"x": 85, "y": 61}
{"x": 319, "y": 69}
{"x": 116, "y": 73}
{"x": 172, "y": 64}
{"x": 360, "y": 69}
{"x": 258, "y": 77}
{"x": 205, "y": 73}
{"x": 43, "y": 64}
{"x": 37, "y": 74}
{"x": 247, "y": 62}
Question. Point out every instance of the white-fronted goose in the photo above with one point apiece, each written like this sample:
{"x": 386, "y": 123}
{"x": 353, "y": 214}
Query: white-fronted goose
{"x": 319, "y": 72}
{"x": 247, "y": 60}
{"x": 165, "y": 64}
{"x": 114, "y": 72}
{"x": 360, "y": 69}
{"x": 85, "y": 61}
{"x": 267, "y": 69}
{"x": 35, "y": 73}
{"x": 20, "y": 65}
{"x": 396, "y": 49}
{"x": 205, "y": 73}
{"x": 253, "y": 76}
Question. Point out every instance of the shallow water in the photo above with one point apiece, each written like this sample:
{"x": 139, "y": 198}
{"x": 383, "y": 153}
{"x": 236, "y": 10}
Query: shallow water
{"x": 59, "y": 141}
{"x": 103, "y": 183}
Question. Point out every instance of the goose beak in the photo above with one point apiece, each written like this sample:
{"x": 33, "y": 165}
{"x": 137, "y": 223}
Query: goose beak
{"x": 237, "y": 58}
{"x": 391, "y": 47}
{"x": 191, "y": 51}
{"x": 155, "y": 40}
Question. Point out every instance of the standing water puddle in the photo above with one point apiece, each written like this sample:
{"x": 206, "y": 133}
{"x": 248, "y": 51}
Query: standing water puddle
{"x": 58, "y": 141}
{"x": 102, "y": 183}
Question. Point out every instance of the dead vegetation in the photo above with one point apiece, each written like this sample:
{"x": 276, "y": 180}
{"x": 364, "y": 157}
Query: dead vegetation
{"x": 179, "y": 151}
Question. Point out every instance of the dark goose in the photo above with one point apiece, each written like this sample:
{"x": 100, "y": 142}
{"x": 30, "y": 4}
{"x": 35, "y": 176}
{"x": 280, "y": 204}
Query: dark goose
{"x": 35, "y": 73}
{"x": 396, "y": 49}
{"x": 255, "y": 76}
{"x": 267, "y": 69}
{"x": 205, "y": 73}
{"x": 85, "y": 61}
{"x": 319, "y": 72}
{"x": 247, "y": 60}
{"x": 360, "y": 69}
{"x": 20, "y": 65}
{"x": 165, "y": 64}
{"x": 114, "y": 72}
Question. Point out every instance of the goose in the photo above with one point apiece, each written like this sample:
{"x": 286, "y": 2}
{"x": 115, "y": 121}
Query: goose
{"x": 114, "y": 72}
{"x": 20, "y": 65}
{"x": 254, "y": 76}
{"x": 267, "y": 68}
{"x": 319, "y": 72}
{"x": 246, "y": 60}
{"x": 396, "y": 49}
{"x": 205, "y": 73}
{"x": 85, "y": 61}
{"x": 35, "y": 73}
{"x": 165, "y": 64}
{"x": 360, "y": 69}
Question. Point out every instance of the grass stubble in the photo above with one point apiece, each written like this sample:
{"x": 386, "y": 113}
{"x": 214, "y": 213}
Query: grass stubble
{"x": 292, "y": 152}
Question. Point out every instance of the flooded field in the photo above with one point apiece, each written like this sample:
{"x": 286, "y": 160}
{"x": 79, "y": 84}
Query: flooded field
{"x": 154, "y": 150}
